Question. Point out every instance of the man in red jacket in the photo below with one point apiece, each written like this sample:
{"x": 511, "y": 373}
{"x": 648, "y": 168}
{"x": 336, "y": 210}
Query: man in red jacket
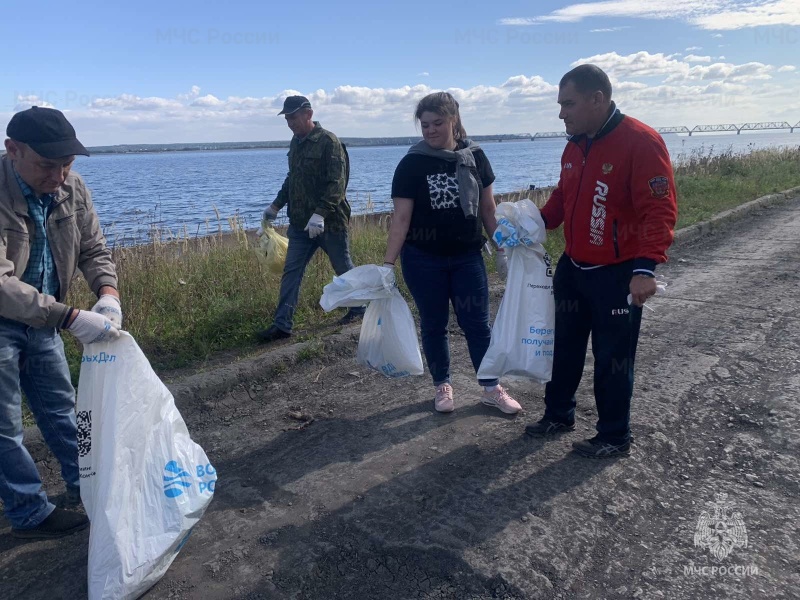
{"x": 616, "y": 200}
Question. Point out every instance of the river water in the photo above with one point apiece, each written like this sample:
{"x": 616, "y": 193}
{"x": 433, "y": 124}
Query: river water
{"x": 178, "y": 192}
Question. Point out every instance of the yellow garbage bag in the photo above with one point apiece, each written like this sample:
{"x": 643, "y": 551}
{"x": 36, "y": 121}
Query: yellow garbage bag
{"x": 271, "y": 248}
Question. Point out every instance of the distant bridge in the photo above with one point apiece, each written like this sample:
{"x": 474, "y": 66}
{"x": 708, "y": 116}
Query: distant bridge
{"x": 765, "y": 126}
{"x": 727, "y": 127}
{"x": 548, "y": 135}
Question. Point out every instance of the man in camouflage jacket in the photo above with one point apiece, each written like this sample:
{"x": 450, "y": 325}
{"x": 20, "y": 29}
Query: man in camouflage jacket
{"x": 319, "y": 214}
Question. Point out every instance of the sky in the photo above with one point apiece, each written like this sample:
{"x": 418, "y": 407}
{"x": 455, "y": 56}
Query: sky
{"x": 175, "y": 71}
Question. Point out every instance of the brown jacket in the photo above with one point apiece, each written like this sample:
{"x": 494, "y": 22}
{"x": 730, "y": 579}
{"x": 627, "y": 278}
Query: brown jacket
{"x": 75, "y": 239}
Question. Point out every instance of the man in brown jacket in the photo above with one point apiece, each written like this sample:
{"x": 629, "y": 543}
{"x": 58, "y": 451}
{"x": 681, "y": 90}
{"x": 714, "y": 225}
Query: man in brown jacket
{"x": 48, "y": 230}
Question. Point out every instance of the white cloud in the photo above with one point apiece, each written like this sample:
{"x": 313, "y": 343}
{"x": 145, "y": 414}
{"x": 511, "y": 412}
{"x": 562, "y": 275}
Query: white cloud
{"x": 647, "y": 9}
{"x": 695, "y": 58}
{"x": 627, "y": 86}
{"x": 671, "y": 70}
{"x": 752, "y": 14}
{"x": 717, "y": 35}
{"x": 209, "y": 101}
{"x": 423, "y": 74}
{"x": 610, "y": 29}
{"x": 529, "y": 86}
{"x": 193, "y": 93}
{"x": 706, "y": 14}
{"x": 520, "y": 22}
{"x": 693, "y": 48}
{"x": 720, "y": 58}
{"x": 639, "y": 64}
{"x": 135, "y": 103}
{"x": 752, "y": 71}
{"x": 658, "y": 88}
{"x": 24, "y": 102}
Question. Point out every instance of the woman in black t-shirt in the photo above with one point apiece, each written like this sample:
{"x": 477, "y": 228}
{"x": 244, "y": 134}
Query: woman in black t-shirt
{"x": 442, "y": 193}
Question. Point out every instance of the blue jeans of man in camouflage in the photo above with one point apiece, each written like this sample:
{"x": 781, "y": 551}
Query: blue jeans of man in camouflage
{"x": 301, "y": 249}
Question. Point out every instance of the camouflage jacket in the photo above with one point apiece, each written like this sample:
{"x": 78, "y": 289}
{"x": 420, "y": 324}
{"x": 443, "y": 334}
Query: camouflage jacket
{"x": 316, "y": 181}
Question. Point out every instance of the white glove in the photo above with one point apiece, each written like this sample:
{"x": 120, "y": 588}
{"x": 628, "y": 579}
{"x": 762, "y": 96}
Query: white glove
{"x": 90, "y": 327}
{"x": 110, "y": 307}
{"x": 270, "y": 213}
{"x": 501, "y": 263}
{"x": 316, "y": 226}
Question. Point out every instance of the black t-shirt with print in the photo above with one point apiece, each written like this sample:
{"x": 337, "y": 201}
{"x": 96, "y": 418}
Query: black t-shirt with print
{"x": 438, "y": 224}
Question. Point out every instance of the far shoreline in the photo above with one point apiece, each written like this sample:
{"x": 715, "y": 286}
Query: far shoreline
{"x": 349, "y": 142}
{"x": 280, "y": 145}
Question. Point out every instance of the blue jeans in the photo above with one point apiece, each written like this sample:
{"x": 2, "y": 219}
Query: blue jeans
{"x": 436, "y": 282}
{"x": 299, "y": 253}
{"x": 34, "y": 359}
{"x": 594, "y": 302}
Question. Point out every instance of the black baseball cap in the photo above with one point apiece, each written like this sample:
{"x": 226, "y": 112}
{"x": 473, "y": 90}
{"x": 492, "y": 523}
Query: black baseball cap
{"x": 46, "y": 131}
{"x": 293, "y": 104}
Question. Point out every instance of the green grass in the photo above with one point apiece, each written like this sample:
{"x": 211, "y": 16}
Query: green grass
{"x": 185, "y": 300}
{"x": 708, "y": 185}
{"x": 313, "y": 349}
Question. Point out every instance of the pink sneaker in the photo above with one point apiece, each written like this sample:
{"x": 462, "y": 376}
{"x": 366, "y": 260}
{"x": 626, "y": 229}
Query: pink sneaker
{"x": 499, "y": 398}
{"x": 443, "y": 402}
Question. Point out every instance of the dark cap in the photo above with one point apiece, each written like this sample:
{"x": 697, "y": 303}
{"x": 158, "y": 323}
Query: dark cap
{"x": 293, "y": 104}
{"x": 46, "y": 131}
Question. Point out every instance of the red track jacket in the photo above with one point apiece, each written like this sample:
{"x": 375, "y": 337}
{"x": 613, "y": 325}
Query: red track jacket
{"x": 616, "y": 196}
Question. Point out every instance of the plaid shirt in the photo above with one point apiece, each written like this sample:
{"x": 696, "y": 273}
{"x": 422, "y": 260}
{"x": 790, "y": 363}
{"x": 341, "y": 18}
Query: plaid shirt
{"x": 41, "y": 271}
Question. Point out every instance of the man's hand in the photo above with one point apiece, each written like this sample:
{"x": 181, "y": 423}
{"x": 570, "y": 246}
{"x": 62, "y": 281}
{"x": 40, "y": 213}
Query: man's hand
{"x": 271, "y": 213}
{"x": 642, "y": 287}
{"x": 109, "y": 306}
{"x": 90, "y": 327}
{"x": 316, "y": 226}
{"x": 501, "y": 263}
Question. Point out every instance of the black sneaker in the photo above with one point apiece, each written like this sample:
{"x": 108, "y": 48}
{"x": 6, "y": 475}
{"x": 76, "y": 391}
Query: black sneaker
{"x": 354, "y": 314}
{"x": 270, "y": 335}
{"x": 70, "y": 499}
{"x": 59, "y": 523}
{"x": 594, "y": 448}
{"x": 546, "y": 427}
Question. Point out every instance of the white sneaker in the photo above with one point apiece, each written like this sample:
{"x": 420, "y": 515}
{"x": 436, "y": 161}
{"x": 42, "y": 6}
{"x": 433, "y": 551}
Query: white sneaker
{"x": 443, "y": 402}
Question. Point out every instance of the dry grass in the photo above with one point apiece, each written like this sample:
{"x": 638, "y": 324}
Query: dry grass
{"x": 186, "y": 298}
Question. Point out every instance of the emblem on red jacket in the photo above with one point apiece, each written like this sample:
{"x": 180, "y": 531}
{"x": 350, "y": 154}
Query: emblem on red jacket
{"x": 607, "y": 168}
{"x": 659, "y": 187}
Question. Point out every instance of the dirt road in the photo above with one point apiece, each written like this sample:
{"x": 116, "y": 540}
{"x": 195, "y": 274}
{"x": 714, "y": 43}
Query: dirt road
{"x": 381, "y": 498}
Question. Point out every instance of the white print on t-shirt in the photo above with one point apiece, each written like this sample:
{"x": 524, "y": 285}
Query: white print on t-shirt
{"x": 443, "y": 190}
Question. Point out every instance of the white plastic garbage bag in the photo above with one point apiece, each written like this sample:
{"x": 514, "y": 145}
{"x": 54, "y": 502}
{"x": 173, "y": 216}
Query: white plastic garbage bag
{"x": 358, "y": 286}
{"x": 523, "y": 331}
{"x": 388, "y": 341}
{"x": 144, "y": 482}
